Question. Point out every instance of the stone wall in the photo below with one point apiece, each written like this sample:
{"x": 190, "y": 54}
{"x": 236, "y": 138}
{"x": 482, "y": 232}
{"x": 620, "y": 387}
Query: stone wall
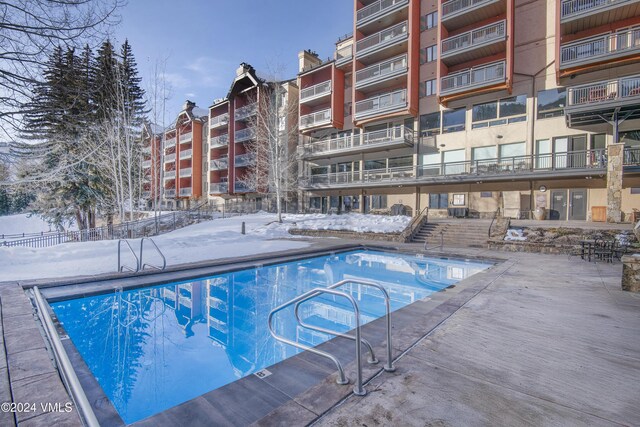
{"x": 631, "y": 273}
{"x": 614, "y": 182}
{"x": 389, "y": 237}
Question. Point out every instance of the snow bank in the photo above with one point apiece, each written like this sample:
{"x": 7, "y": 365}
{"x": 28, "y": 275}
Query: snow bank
{"x": 25, "y": 223}
{"x": 351, "y": 222}
{"x": 215, "y": 239}
{"x": 515, "y": 234}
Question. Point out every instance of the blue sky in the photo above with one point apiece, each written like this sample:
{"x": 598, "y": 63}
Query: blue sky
{"x": 204, "y": 41}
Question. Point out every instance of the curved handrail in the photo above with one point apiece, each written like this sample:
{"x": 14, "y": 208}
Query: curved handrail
{"x": 342, "y": 379}
{"x": 164, "y": 260}
{"x": 415, "y": 222}
{"x": 121, "y": 267}
{"x": 389, "y": 366}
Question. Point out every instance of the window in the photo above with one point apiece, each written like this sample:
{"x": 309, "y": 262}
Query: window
{"x": 315, "y": 203}
{"x": 429, "y": 21}
{"x": 486, "y": 194}
{"x": 347, "y": 109}
{"x": 598, "y": 142}
{"x": 378, "y": 202}
{"x": 397, "y": 162}
{"x": 458, "y": 200}
{"x": 347, "y": 81}
{"x": 543, "y": 153}
{"x": 375, "y": 164}
{"x": 428, "y": 88}
{"x": 438, "y": 200}
{"x": 430, "y": 124}
{"x": 551, "y": 103}
{"x": 500, "y": 112}
{"x": 630, "y": 138}
{"x": 453, "y": 162}
{"x": 321, "y": 170}
{"x": 429, "y": 54}
{"x": 431, "y": 164}
{"x": 635, "y": 190}
{"x": 512, "y": 150}
{"x": 483, "y": 153}
{"x": 453, "y": 121}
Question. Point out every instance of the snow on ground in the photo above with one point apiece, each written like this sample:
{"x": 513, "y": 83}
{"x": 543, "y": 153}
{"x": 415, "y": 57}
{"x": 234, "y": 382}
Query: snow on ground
{"x": 24, "y": 223}
{"x": 351, "y": 222}
{"x": 219, "y": 238}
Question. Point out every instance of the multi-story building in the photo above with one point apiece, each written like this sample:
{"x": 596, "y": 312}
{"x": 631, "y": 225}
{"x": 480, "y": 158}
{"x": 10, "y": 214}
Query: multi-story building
{"x": 233, "y": 133}
{"x": 151, "y": 163}
{"x": 182, "y": 173}
{"x": 470, "y": 106}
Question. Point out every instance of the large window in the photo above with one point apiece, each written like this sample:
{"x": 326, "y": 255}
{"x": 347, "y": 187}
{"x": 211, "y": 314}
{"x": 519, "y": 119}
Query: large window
{"x": 453, "y": 121}
{"x": 429, "y": 21}
{"x": 375, "y": 164}
{"x": 500, "y": 112}
{"x": 484, "y": 153}
{"x": 429, "y": 54}
{"x": 397, "y": 162}
{"x": 630, "y": 138}
{"x": 438, "y": 200}
{"x": 551, "y": 103}
{"x": 378, "y": 202}
{"x": 512, "y": 150}
{"x": 430, "y": 124}
{"x": 428, "y": 88}
{"x": 454, "y": 162}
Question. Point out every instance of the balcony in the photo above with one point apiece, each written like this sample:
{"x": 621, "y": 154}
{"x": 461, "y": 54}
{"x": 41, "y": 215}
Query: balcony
{"x": 344, "y": 56}
{"x": 146, "y": 194}
{"x": 147, "y": 149}
{"x": 369, "y": 141}
{"x": 219, "y": 164}
{"x": 315, "y": 92}
{"x": 218, "y": 188}
{"x": 473, "y": 78}
{"x": 170, "y": 158}
{"x": 217, "y": 121}
{"x": 375, "y": 42}
{"x": 481, "y": 42}
{"x": 244, "y": 160}
{"x": 185, "y": 172}
{"x": 146, "y": 164}
{"x": 241, "y": 187}
{"x": 595, "y": 103}
{"x": 169, "y": 193}
{"x": 244, "y": 134}
{"x": 461, "y": 13}
{"x": 186, "y": 154}
{"x": 381, "y": 72}
{"x": 385, "y": 103}
{"x": 319, "y": 118}
{"x": 569, "y": 164}
{"x": 186, "y": 137}
{"x": 219, "y": 141}
{"x": 599, "y": 49}
{"x": 378, "y": 10}
{"x": 185, "y": 192}
{"x": 170, "y": 174}
{"x": 170, "y": 142}
{"x": 247, "y": 111}
{"x": 596, "y": 12}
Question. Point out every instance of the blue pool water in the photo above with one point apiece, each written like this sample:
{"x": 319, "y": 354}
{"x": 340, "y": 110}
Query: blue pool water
{"x": 154, "y": 348}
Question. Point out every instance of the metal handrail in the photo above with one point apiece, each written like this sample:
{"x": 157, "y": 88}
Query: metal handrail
{"x": 121, "y": 267}
{"x": 342, "y": 379}
{"x": 415, "y": 223}
{"x": 441, "y": 245}
{"x": 495, "y": 215}
{"x": 64, "y": 364}
{"x": 143, "y": 265}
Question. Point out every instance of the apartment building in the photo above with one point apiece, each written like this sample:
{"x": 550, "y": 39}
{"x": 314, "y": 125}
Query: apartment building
{"x": 470, "y": 106}
{"x": 151, "y": 137}
{"x": 233, "y": 131}
{"x": 182, "y": 173}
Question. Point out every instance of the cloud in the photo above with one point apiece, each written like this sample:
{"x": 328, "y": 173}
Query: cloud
{"x": 211, "y": 72}
{"x": 177, "y": 81}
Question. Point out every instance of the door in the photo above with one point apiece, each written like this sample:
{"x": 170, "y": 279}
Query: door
{"x": 558, "y": 205}
{"x": 578, "y": 205}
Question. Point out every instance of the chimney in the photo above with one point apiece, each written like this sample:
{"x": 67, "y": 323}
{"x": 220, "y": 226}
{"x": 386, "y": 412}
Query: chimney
{"x": 188, "y": 105}
{"x": 308, "y": 59}
{"x": 243, "y": 68}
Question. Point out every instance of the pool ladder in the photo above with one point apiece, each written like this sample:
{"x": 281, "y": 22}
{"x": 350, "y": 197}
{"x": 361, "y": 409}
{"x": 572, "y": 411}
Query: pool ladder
{"x": 358, "y": 389}
{"x": 140, "y": 265}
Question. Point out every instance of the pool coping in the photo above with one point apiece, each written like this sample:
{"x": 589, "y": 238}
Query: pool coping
{"x": 281, "y": 396}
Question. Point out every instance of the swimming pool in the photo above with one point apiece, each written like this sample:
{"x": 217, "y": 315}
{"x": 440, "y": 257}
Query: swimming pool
{"x": 153, "y": 348}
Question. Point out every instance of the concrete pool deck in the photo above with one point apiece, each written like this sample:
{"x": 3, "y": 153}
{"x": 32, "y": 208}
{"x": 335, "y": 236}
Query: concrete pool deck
{"x": 544, "y": 340}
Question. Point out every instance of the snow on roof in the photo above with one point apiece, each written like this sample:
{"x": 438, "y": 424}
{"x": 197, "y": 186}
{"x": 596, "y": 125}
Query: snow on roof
{"x": 200, "y": 112}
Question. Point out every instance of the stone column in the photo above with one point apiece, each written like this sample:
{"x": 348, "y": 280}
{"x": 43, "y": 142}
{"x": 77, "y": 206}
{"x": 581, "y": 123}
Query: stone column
{"x": 615, "y": 154}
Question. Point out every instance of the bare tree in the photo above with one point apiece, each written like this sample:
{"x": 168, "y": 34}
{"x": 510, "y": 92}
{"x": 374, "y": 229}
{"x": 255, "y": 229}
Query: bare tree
{"x": 273, "y": 150}
{"x": 29, "y": 29}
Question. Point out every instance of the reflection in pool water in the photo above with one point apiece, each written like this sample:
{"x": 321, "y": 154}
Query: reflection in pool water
{"x": 153, "y": 348}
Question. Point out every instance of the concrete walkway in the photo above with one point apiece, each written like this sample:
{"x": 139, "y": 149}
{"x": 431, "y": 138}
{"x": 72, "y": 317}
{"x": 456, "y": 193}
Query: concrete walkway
{"x": 552, "y": 341}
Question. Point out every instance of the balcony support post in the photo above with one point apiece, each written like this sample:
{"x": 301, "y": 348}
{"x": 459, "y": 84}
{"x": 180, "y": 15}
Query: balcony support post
{"x": 615, "y": 153}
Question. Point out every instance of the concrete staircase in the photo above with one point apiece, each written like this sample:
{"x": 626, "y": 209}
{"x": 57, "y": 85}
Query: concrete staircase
{"x": 472, "y": 233}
